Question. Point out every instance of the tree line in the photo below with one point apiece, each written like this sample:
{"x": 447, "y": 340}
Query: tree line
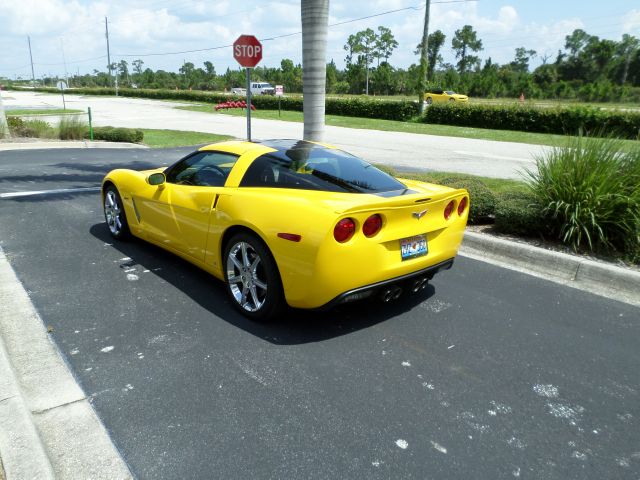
{"x": 588, "y": 68}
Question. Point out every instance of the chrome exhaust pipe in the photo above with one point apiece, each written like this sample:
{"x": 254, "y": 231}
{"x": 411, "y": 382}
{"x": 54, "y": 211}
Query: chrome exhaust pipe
{"x": 397, "y": 291}
{"x": 387, "y": 295}
{"x": 391, "y": 293}
{"x": 419, "y": 284}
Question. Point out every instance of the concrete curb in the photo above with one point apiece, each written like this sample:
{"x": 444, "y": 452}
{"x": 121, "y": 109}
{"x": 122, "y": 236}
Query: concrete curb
{"x": 600, "y": 278}
{"x": 48, "y": 428}
{"x": 67, "y": 144}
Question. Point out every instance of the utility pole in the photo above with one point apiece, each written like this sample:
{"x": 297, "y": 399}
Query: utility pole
{"x": 106, "y": 29}
{"x": 33, "y": 75}
{"x": 424, "y": 47}
{"x": 64, "y": 60}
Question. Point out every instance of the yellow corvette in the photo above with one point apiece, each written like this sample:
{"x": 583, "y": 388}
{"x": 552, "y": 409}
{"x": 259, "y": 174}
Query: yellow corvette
{"x": 438, "y": 96}
{"x": 286, "y": 222}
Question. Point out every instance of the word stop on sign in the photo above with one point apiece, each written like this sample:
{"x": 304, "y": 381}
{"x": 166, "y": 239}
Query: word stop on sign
{"x": 247, "y": 50}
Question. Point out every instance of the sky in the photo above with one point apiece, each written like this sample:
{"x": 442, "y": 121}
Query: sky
{"x": 164, "y": 33}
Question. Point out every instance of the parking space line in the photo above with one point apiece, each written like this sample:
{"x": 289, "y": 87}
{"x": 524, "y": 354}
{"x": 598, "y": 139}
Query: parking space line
{"x": 48, "y": 192}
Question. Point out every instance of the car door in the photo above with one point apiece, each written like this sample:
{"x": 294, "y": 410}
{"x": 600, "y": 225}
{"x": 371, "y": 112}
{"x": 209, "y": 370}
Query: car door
{"x": 178, "y": 214}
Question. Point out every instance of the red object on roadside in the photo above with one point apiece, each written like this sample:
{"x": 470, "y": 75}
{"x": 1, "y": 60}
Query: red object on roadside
{"x": 225, "y": 105}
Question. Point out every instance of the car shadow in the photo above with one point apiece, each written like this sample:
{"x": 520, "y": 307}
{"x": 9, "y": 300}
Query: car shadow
{"x": 294, "y": 328}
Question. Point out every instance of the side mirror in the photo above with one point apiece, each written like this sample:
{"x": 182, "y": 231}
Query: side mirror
{"x": 156, "y": 179}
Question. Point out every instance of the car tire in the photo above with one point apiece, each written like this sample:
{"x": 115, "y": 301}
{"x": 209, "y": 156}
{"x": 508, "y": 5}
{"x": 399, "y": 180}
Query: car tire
{"x": 115, "y": 215}
{"x": 252, "y": 278}
{"x": 452, "y": 99}
{"x": 429, "y": 100}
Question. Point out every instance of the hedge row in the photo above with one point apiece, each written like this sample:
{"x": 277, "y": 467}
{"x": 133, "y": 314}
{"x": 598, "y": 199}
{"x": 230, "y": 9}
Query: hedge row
{"x": 561, "y": 120}
{"x": 573, "y": 120}
{"x": 348, "y": 107}
{"x": 113, "y": 134}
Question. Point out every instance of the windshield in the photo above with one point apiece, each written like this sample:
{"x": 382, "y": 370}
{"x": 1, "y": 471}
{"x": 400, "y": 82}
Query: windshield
{"x": 318, "y": 168}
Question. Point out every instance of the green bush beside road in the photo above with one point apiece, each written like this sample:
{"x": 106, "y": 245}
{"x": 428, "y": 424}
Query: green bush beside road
{"x": 113, "y": 134}
{"x": 71, "y": 128}
{"x": 561, "y": 120}
{"x": 589, "y": 192}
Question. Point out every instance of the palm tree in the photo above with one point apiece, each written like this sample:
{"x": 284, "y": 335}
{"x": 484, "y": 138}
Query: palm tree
{"x": 4, "y": 128}
{"x": 315, "y": 19}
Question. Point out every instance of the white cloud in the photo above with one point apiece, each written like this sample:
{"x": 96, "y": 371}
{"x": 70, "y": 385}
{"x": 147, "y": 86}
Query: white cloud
{"x": 151, "y": 26}
{"x": 631, "y": 23}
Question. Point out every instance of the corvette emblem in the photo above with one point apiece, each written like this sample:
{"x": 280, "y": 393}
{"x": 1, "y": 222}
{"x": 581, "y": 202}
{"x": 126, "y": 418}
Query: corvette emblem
{"x": 419, "y": 215}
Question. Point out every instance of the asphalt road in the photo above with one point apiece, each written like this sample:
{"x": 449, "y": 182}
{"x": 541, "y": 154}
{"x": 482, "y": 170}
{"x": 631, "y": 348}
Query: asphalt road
{"x": 489, "y": 374}
{"x": 416, "y": 151}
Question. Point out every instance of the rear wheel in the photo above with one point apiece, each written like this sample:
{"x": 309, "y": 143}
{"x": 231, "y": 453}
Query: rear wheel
{"x": 429, "y": 100}
{"x": 114, "y": 214}
{"x": 252, "y": 278}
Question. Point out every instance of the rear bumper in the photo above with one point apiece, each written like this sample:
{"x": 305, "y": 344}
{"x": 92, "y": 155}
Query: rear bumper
{"x": 374, "y": 289}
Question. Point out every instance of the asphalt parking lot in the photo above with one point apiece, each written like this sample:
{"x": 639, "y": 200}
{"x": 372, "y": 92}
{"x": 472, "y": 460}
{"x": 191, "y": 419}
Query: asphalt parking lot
{"x": 488, "y": 374}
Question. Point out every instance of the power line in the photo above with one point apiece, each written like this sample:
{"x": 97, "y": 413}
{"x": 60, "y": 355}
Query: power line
{"x": 388, "y": 12}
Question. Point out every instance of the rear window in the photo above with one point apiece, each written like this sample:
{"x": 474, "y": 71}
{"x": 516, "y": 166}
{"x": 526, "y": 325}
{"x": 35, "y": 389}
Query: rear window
{"x": 318, "y": 169}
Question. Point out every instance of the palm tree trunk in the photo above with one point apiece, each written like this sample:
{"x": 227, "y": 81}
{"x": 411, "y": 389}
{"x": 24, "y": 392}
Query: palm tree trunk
{"x": 315, "y": 19}
{"x": 4, "y": 128}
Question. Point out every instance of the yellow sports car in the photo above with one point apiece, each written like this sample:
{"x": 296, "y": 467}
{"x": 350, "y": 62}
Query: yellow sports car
{"x": 286, "y": 222}
{"x": 437, "y": 96}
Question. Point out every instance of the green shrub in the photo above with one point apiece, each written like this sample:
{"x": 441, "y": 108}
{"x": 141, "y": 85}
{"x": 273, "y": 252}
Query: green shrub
{"x": 572, "y": 120}
{"x": 518, "y": 213}
{"x": 16, "y": 126}
{"x": 590, "y": 193}
{"x": 71, "y": 128}
{"x": 112, "y": 134}
{"x": 482, "y": 201}
{"x": 38, "y": 129}
{"x": 30, "y": 128}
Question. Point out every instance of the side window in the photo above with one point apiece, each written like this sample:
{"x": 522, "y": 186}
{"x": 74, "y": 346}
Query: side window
{"x": 204, "y": 169}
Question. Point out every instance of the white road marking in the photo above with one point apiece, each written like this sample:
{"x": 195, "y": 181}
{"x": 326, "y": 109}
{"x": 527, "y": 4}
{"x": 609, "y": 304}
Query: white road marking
{"x": 403, "y": 444}
{"x": 438, "y": 447}
{"x": 48, "y": 192}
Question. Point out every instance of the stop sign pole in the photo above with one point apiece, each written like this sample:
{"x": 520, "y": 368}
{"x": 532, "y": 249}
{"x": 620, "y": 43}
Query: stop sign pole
{"x": 247, "y": 50}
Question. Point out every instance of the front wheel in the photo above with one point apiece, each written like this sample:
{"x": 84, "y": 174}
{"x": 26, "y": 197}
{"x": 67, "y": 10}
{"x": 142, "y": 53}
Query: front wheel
{"x": 252, "y": 278}
{"x": 452, "y": 99}
{"x": 429, "y": 100}
{"x": 114, "y": 214}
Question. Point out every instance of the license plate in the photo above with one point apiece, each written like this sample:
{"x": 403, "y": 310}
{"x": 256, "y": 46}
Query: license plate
{"x": 413, "y": 247}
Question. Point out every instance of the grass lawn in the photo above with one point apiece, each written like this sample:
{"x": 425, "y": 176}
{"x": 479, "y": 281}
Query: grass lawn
{"x": 177, "y": 138}
{"x": 496, "y": 185}
{"x": 44, "y": 111}
{"x": 407, "y": 127}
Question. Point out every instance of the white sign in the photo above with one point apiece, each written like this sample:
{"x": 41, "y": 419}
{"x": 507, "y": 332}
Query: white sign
{"x": 279, "y": 90}
{"x": 61, "y": 85}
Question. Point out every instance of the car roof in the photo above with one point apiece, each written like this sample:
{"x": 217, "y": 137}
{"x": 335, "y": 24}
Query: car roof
{"x": 242, "y": 146}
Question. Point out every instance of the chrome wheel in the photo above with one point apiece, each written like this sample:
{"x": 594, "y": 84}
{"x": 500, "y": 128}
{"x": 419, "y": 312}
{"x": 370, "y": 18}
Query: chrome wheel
{"x": 113, "y": 213}
{"x": 246, "y": 276}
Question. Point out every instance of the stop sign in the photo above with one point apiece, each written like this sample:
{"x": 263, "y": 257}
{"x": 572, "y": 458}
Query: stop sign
{"x": 247, "y": 50}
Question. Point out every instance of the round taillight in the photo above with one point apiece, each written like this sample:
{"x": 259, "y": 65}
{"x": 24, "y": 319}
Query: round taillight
{"x": 449, "y": 209}
{"x": 462, "y": 205}
{"x": 372, "y": 225}
{"x": 344, "y": 230}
